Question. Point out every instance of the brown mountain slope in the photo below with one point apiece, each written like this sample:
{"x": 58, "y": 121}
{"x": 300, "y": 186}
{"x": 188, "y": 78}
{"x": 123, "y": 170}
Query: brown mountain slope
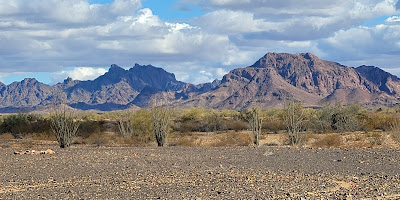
{"x": 271, "y": 81}
{"x": 26, "y": 93}
{"x": 279, "y": 77}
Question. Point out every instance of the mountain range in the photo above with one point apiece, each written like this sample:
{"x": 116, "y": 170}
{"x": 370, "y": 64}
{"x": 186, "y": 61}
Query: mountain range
{"x": 270, "y": 82}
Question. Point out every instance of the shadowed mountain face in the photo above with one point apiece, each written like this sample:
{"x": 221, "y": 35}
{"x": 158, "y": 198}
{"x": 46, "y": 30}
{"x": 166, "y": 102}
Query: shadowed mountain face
{"x": 114, "y": 90}
{"x": 271, "y": 81}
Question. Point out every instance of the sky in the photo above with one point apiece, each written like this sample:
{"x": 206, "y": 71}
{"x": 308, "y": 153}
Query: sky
{"x": 197, "y": 40}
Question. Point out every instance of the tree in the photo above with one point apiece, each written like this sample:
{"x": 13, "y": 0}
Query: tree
{"x": 255, "y": 120}
{"x": 294, "y": 117}
{"x": 161, "y": 121}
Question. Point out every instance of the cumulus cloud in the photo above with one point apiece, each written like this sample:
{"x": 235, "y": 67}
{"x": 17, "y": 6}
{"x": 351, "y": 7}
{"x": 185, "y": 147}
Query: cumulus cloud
{"x": 54, "y": 35}
{"x": 393, "y": 19}
{"x": 78, "y": 73}
{"x": 378, "y": 45}
{"x": 289, "y": 19}
{"x": 59, "y": 34}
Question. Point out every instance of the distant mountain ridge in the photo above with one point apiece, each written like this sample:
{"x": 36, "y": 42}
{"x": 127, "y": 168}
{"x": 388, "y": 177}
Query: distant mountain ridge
{"x": 269, "y": 82}
{"x": 279, "y": 77}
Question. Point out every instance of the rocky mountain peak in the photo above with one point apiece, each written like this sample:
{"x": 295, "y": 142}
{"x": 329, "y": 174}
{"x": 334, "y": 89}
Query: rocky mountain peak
{"x": 29, "y": 81}
{"x": 384, "y": 80}
{"x": 309, "y": 56}
{"x": 69, "y": 82}
{"x": 116, "y": 69}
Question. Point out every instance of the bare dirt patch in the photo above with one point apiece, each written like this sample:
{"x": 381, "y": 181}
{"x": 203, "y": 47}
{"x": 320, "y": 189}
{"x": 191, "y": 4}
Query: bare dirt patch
{"x": 84, "y": 172}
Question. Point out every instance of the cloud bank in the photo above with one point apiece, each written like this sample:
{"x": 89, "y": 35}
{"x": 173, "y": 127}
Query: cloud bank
{"x": 55, "y": 35}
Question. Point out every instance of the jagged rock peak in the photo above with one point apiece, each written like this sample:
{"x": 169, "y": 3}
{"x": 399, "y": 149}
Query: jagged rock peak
{"x": 116, "y": 68}
{"x": 29, "y": 81}
{"x": 137, "y": 68}
{"x": 68, "y": 80}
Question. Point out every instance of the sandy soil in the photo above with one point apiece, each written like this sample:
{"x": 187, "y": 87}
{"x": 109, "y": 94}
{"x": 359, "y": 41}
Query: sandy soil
{"x": 83, "y": 172}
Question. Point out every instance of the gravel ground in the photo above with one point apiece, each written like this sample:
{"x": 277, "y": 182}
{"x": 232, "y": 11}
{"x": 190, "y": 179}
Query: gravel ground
{"x": 201, "y": 173}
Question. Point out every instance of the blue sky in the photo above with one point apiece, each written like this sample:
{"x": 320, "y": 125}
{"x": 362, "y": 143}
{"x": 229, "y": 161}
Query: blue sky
{"x": 198, "y": 40}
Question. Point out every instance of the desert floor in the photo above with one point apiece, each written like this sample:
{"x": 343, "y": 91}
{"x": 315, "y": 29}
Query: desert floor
{"x": 87, "y": 172}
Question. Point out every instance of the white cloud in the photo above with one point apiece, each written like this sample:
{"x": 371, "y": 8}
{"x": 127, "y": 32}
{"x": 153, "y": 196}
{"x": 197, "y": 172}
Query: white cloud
{"x": 78, "y": 73}
{"x": 363, "y": 45}
{"x": 125, "y": 7}
{"x": 220, "y": 72}
{"x": 53, "y": 35}
{"x": 393, "y": 19}
{"x": 289, "y": 19}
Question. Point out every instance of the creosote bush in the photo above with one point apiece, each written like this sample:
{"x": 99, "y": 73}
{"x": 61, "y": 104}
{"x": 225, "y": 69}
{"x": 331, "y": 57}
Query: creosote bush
{"x": 142, "y": 126}
{"x": 21, "y": 124}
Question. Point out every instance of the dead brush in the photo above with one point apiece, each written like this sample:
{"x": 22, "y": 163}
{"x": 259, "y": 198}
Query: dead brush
{"x": 394, "y": 128}
{"x": 6, "y": 136}
{"x": 233, "y": 139}
{"x": 329, "y": 140}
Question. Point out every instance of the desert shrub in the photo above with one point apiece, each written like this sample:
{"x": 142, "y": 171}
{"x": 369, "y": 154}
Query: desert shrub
{"x": 6, "y": 136}
{"x": 22, "y": 124}
{"x": 339, "y": 118}
{"x": 233, "y": 139}
{"x": 236, "y": 125}
{"x": 91, "y": 116}
{"x": 375, "y": 138}
{"x": 383, "y": 119}
{"x": 64, "y": 125}
{"x": 49, "y": 136}
{"x": 193, "y": 114}
{"x": 142, "y": 126}
{"x": 255, "y": 121}
{"x": 273, "y": 120}
{"x": 395, "y": 129}
{"x": 294, "y": 116}
{"x": 161, "y": 120}
{"x": 89, "y": 127}
{"x": 329, "y": 140}
{"x": 124, "y": 123}
{"x": 346, "y": 118}
{"x": 322, "y": 120}
{"x": 205, "y": 120}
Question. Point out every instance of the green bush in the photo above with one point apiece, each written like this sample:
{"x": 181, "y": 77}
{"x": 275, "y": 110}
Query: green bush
{"x": 89, "y": 127}
{"x": 21, "y": 124}
{"x": 142, "y": 126}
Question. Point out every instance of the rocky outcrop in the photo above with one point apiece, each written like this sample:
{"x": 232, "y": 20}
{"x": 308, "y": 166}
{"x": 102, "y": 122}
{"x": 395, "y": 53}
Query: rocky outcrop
{"x": 29, "y": 92}
{"x": 279, "y": 77}
{"x": 385, "y": 81}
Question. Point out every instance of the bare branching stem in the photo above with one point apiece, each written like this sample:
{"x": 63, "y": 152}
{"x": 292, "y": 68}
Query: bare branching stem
{"x": 161, "y": 121}
{"x": 294, "y": 118}
{"x": 255, "y": 120}
{"x": 125, "y": 125}
{"x": 65, "y": 126}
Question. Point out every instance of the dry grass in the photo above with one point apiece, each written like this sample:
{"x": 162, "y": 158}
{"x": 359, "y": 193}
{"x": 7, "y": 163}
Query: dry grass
{"x": 373, "y": 139}
{"x": 211, "y": 139}
{"x": 6, "y": 136}
{"x": 328, "y": 141}
{"x": 44, "y": 136}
